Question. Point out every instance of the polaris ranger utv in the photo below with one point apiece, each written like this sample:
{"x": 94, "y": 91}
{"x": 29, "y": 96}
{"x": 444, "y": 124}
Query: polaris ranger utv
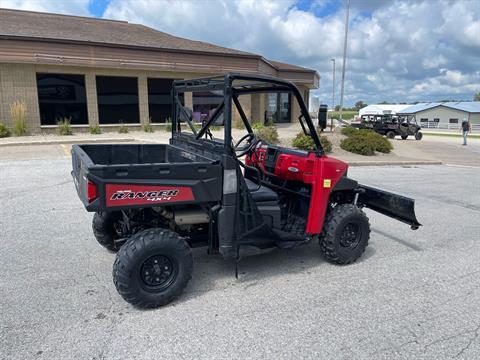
{"x": 153, "y": 203}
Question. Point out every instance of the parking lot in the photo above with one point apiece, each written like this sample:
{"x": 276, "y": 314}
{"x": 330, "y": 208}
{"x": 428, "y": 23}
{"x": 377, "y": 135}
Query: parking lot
{"x": 414, "y": 294}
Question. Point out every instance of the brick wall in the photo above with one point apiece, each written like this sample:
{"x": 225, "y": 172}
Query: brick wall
{"x": 18, "y": 82}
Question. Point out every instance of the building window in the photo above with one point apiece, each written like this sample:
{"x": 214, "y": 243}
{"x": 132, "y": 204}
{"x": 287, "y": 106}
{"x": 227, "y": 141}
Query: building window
{"x": 423, "y": 120}
{"x": 117, "y": 100}
{"x": 205, "y": 103}
{"x": 453, "y": 121}
{"x": 436, "y": 120}
{"x": 62, "y": 96}
{"x": 278, "y": 107}
{"x": 159, "y": 99}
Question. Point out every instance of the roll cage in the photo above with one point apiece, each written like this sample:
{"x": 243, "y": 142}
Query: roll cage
{"x": 232, "y": 85}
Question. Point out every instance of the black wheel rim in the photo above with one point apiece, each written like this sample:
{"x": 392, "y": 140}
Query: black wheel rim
{"x": 158, "y": 272}
{"x": 351, "y": 235}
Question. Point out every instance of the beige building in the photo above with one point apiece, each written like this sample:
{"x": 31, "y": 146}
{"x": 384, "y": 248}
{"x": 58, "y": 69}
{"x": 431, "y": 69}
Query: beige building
{"x": 106, "y": 72}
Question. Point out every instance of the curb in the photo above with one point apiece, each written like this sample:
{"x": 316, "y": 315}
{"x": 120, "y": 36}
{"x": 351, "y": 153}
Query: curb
{"x": 393, "y": 163}
{"x": 66, "y": 141}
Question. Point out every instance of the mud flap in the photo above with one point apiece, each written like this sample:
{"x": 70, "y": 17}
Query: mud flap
{"x": 392, "y": 205}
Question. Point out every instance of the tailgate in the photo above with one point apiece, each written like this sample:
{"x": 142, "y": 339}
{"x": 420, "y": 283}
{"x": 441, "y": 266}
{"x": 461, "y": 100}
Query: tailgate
{"x": 80, "y": 164}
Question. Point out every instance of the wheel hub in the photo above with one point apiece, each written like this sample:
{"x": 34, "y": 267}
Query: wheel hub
{"x": 350, "y": 236}
{"x": 157, "y": 271}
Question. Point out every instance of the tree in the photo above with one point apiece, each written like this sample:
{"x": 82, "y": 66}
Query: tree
{"x": 359, "y": 104}
{"x": 337, "y": 108}
{"x": 476, "y": 97}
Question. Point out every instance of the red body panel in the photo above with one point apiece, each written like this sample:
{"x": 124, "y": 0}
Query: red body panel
{"x": 124, "y": 194}
{"x": 322, "y": 173}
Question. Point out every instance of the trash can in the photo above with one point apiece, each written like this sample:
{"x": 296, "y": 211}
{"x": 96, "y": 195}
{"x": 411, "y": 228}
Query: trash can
{"x": 322, "y": 117}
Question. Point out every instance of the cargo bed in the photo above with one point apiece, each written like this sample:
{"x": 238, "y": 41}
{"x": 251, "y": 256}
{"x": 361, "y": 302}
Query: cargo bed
{"x": 108, "y": 176}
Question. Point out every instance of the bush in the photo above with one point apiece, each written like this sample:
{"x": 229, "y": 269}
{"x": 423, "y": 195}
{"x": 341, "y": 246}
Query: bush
{"x": 4, "y": 132}
{"x": 268, "y": 134}
{"x": 18, "y": 112}
{"x": 64, "y": 127}
{"x": 366, "y": 142}
{"x": 148, "y": 128}
{"x": 305, "y": 142}
{"x": 257, "y": 126}
{"x": 358, "y": 145}
{"x": 123, "y": 129}
{"x": 349, "y": 130}
{"x": 94, "y": 129}
{"x": 168, "y": 125}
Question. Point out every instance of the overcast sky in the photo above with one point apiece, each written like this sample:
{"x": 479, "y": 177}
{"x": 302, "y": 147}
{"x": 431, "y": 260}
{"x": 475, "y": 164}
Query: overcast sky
{"x": 397, "y": 50}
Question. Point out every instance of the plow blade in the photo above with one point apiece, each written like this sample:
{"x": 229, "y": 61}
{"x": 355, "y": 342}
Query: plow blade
{"x": 392, "y": 205}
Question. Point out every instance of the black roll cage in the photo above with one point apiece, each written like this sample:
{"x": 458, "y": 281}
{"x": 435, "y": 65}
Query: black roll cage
{"x": 248, "y": 84}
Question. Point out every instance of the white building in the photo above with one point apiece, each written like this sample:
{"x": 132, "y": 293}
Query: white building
{"x": 382, "y": 109}
{"x": 447, "y": 115}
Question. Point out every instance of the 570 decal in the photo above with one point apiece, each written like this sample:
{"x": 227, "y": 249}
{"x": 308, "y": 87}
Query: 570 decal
{"x": 117, "y": 194}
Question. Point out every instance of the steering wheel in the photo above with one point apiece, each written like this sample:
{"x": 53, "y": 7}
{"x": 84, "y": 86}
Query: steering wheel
{"x": 250, "y": 142}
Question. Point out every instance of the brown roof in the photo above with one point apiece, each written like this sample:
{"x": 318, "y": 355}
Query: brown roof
{"x": 29, "y": 24}
{"x": 285, "y": 66}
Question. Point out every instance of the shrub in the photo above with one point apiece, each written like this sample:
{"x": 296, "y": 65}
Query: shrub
{"x": 268, "y": 134}
{"x": 358, "y": 145}
{"x": 123, "y": 129}
{"x": 349, "y": 130}
{"x": 305, "y": 142}
{"x": 148, "y": 128}
{"x": 366, "y": 142}
{"x": 168, "y": 125}
{"x": 18, "y": 112}
{"x": 257, "y": 126}
{"x": 4, "y": 132}
{"x": 64, "y": 127}
{"x": 94, "y": 129}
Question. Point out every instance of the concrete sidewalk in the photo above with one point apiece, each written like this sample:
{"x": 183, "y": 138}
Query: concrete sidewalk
{"x": 286, "y": 133}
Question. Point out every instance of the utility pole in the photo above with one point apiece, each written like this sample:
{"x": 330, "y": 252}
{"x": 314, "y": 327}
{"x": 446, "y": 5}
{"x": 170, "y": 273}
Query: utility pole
{"x": 333, "y": 94}
{"x": 344, "y": 60}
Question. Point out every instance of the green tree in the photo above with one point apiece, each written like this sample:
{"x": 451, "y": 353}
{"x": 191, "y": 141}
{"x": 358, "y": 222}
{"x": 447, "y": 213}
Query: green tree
{"x": 360, "y": 104}
{"x": 476, "y": 97}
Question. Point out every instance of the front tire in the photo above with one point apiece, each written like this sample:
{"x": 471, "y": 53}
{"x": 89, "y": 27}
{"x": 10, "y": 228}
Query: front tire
{"x": 418, "y": 135}
{"x": 391, "y": 135}
{"x": 345, "y": 234}
{"x": 152, "y": 268}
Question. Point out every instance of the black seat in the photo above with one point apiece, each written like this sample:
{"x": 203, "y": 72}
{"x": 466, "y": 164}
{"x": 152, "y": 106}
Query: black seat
{"x": 264, "y": 193}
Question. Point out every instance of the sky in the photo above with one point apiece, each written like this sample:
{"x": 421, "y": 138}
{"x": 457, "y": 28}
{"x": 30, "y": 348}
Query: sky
{"x": 398, "y": 51}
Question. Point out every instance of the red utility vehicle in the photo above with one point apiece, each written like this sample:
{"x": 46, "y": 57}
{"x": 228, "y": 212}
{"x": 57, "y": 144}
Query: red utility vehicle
{"x": 153, "y": 203}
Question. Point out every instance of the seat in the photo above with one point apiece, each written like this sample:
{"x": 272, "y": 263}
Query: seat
{"x": 264, "y": 193}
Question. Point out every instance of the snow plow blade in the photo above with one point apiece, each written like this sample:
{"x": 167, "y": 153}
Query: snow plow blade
{"x": 392, "y": 205}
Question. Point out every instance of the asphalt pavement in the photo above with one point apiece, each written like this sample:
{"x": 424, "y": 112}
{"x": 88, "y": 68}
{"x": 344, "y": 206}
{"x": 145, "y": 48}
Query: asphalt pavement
{"x": 414, "y": 294}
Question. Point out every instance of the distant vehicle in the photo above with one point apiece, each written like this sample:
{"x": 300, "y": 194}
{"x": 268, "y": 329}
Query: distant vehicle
{"x": 391, "y": 125}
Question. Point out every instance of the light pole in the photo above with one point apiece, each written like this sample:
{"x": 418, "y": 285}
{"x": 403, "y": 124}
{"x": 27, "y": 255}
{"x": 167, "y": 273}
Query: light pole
{"x": 333, "y": 94}
{"x": 344, "y": 59}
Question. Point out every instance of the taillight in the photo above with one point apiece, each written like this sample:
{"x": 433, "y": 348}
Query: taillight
{"x": 92, "y": 192}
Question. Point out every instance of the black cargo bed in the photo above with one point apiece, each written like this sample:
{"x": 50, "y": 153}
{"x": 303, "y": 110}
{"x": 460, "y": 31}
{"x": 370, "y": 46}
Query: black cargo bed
{"x": 143, "y": 166}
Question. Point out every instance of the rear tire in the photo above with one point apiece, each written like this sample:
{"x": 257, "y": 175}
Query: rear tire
{"x": 391, "y": 135}
{"x": 418, "y": 135}
{"x": 404, "y": 137}
{"x": 152, "y": 268}
{"x": 104, "y": 230}
{"x": 345, "y": 234}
